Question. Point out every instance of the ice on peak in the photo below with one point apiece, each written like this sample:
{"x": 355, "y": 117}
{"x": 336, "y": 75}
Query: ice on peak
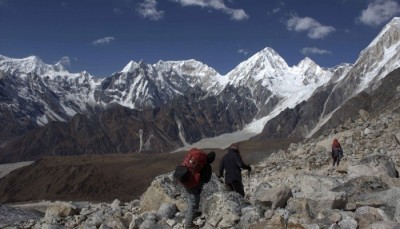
{"x": 270, "y": 58}
{"x": 305, "y": 63}
{"x": 180, "y": 63}
{"x": 395, "y": 21}
{"x": 59, "y": 67}
{"x": 131, "y": 66}
{"x": 392, "y": 27}
{"x": 31, "y": 64}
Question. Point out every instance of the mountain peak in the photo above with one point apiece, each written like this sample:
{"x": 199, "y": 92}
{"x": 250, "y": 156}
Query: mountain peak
{"x": 305, "y": 63}
{"x": 266, "y": 59}
{"x": 26, "y": 65}
{"x": 392, "y": 27}
{"x": 270, "y": 57}
{"x": 130, "y": 66}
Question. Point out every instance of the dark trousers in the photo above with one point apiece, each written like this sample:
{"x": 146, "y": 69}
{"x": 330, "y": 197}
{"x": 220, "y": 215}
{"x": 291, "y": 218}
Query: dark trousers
{"x": 236, "y": 186}
{"x": 336, "y": 160}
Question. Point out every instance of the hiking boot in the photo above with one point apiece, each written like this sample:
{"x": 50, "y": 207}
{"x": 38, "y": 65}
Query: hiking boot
{"x": 196, "y": 215}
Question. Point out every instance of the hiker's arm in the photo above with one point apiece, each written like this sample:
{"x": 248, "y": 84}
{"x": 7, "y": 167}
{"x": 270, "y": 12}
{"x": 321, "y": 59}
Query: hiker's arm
{"x": 206, "y": 173}
{"x": 240, "y": 162}
{"x": 247, "y": 167}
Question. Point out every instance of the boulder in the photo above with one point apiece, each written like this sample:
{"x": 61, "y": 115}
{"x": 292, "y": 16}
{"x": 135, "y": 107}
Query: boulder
{"x": 114, "y": 223}
{"x": 277, "y": 221}
{"x": 348, "y": 221}
{"x": 384, "y": 225}
{"x": 167, "y": 211}
{"x": 59, "y": 210}
{"x": 377, "y": 199}
{"x": 249, "y": 216}
{"x": 362, "y": 185}
{"x": 364, "y": 115}
{"x": 298, "y": 206}
{"x": 165, "y": 189}
{"x": 115, "y": 204}
{"x": 368, "y": 215}
{"x": 274, "y": 198}
{"x": 318, "y": 201}
{"x": 300, "y": 221}
{"x": 223, "y": 209}
{"x": 374, "y": 165}
{"x": 316, "y": 183}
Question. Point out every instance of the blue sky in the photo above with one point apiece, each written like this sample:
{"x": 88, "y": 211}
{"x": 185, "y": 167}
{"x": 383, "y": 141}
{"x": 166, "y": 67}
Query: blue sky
{"x": 102, "y": 36}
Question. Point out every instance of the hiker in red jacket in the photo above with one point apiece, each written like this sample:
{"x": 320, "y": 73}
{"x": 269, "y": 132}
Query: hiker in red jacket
{"x": 337, "y": 152}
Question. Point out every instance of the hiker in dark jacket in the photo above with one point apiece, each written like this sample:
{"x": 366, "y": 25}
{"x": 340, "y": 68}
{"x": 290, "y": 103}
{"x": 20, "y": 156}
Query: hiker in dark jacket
{"x": 232, "y": 164}
{"x": 194, "y": 193}
{"x": 337, "y": 152}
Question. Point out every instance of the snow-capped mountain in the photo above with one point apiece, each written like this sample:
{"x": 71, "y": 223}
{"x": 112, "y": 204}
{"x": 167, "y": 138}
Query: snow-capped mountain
{"x": 141, "y": 85}
{"x": 346, "y": 92}
{"x": 42, "y": 93}
{"x": 266, "y": 71}
{"x": 195, "y": 100}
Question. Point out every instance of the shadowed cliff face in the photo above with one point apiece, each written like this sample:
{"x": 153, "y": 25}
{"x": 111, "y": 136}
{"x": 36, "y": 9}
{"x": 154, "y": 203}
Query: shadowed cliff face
{"x": 122, "y": 130}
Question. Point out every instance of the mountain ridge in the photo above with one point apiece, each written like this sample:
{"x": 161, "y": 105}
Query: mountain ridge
{"x": 258, "y": 89}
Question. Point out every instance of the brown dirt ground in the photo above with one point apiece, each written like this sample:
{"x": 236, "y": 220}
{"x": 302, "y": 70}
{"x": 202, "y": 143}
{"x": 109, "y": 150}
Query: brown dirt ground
{"x": 105, "y": 177}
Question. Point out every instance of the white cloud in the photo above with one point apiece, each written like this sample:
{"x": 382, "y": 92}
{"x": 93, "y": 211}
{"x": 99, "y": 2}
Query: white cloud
{"x": 3, "y": 3}
{"x": 148, "y": 9}
{"x": 276, "y": 10}
{"x": 118, "y": 11}
{"x": 379, "y": 11}
{"x": 315, "y": 29}
{"x": 280, "y": 6}
{"x": 103, "y": 41}
{"x": 314, "y": 51}
{"x": 236, "y": 14}
{"x": 245, "y": 52}
{"x": 65, "y": 61}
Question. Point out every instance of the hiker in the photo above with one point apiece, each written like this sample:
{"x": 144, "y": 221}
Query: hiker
{"x": 199, "y": 165}
{"x": 337, "y": 152}
{"x": 232, "y": 164}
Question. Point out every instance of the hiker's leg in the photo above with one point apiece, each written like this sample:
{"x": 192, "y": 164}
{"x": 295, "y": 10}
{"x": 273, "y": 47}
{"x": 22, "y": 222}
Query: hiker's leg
{"x": 238, "y": 187}
{"x": 229, "y": 187}
{"x": 193, "y": 205}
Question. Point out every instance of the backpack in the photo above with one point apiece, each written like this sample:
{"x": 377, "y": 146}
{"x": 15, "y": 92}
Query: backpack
{"x": 188, "y": 172}
{"x": 337, "y": 152}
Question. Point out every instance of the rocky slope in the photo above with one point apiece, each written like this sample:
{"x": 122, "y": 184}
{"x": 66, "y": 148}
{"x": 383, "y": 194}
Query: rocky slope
{"x": 293, "y": 188}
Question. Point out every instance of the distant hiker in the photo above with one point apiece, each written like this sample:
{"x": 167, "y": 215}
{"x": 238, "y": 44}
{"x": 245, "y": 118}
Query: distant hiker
{"x": 193, "y": 173}
{"x": 232, "y": 164}
{"x": 337, "y": 152}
